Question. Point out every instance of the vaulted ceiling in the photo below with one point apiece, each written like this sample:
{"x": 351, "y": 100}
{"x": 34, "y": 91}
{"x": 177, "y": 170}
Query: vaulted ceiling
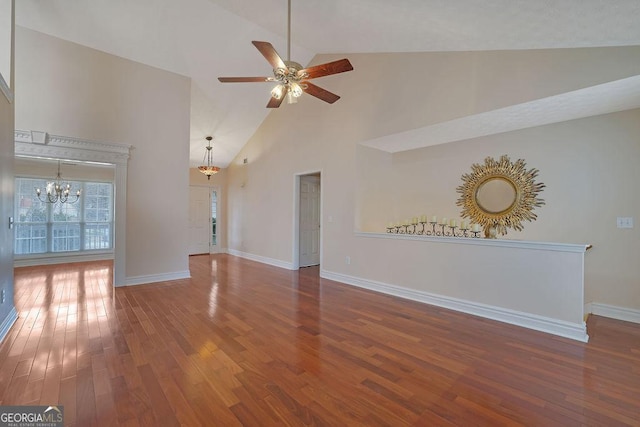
{"x": 205, "y": 39}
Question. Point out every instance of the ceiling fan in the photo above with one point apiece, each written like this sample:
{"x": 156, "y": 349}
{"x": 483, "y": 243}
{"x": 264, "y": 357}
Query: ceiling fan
{"x": 292, "y": 79}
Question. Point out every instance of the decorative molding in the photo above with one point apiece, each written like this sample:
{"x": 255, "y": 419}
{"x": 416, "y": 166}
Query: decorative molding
{"x": 154, "y": 278}
{"x": 517, "y": 244}
{"x": 41, "y": 144}
{"x": 4, "y": 87}
{"x": 7, "y": 323}
{"x": 558, "y": 327}
{"x": 613, "y": 312}
{"x": 264, "y": 260}
{"x": 61, "y": 259}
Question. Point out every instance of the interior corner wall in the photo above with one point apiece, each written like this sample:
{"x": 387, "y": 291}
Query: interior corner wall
{"x": 67, "y": 89}
{"x": 312, "y": 135}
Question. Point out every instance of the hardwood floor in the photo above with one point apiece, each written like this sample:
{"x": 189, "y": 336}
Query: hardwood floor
{"x": 242, "y": 343}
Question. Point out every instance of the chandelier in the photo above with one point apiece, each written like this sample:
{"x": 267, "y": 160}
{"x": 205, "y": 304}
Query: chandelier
{"x": 58, "y": 191}
{"x": 208, "y": 170}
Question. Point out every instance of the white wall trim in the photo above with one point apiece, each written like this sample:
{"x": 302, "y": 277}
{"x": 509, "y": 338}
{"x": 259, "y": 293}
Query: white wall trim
{"x": 613, "y": 312}
{"x": 7, "y": 323}
{"x": 264, "y": 260}
{"x": 517, "y": 244}
{"x": 539, "y": 323}
{"x": 4, "y": 87}
{"x": 154, "y": 278}
{"x": 51, "y": 260}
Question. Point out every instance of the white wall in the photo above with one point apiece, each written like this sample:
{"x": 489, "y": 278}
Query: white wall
{"x": 392, "y": 93}
{"x": 7, "y": 310}
{"x": 71, "y": 90}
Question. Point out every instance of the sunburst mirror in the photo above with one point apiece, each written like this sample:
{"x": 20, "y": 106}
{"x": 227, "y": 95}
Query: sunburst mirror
{"x": 499, "y": 195}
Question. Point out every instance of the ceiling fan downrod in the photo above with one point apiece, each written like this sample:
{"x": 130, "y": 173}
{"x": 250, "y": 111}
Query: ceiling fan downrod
{"x": 289, "y": 31}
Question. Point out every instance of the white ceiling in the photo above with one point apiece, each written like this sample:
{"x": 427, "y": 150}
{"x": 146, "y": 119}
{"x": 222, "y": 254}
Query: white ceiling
{"x": 205, "y": 39}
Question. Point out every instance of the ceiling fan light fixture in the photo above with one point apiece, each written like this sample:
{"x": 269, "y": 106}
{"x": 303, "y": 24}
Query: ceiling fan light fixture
{"x": 295, "y": 89}
{"x": 278, "y": 91}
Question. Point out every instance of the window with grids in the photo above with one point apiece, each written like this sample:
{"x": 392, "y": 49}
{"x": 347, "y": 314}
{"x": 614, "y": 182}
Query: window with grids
{"x": 85, "y": 225}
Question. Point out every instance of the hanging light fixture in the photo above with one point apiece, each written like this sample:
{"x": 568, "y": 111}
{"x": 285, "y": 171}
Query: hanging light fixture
{"x": 208, "y": 170}
{"x": 58, "y": 191}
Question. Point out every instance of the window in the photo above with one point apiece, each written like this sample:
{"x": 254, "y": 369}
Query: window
{"x": 63, "y": 227}
{"x": 214, "y": 214}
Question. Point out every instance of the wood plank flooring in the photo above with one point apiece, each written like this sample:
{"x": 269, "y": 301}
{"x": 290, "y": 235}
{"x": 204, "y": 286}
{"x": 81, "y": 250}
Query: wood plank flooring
{"x": 242, "y": 343}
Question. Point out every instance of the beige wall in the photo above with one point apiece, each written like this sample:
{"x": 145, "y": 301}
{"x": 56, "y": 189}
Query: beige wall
{"x": 586, "y": 164}
{"x": 6, "y": 205}
{"x": 219, "y": 182}
{"x": 68, "y": 170}
{"x": 71, "y": 90}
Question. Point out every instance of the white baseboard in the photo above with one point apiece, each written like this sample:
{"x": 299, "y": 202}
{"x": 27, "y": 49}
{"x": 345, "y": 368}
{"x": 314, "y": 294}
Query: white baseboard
{"x": 7, "y": 323}
{"x": 613, "y": 312}
{"x": 262, "y": 259}
{"x": 61, "y": 259}
{"x": 576, "y": 331}
{"x": 153, "y": 278}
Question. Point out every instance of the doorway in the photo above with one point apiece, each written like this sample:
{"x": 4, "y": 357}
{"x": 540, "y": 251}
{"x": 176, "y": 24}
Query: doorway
{"x": 203, "y": 220}
{"x": 308, "y": 219}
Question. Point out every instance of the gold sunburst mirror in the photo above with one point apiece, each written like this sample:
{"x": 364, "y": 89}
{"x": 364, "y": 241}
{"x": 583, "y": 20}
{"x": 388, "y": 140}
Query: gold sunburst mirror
{"x": 499, "y": 195}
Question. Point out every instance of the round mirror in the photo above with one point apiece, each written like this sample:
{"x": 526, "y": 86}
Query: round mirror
{"x": 496, "y": 195}
{"x": 499, "y": 194}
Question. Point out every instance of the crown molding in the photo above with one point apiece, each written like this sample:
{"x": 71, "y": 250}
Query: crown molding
{"x": 43, "y": 144}
{"x": 4, "y": 88}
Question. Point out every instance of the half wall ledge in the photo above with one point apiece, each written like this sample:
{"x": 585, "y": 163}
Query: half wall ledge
{"x": 537, "y": 285}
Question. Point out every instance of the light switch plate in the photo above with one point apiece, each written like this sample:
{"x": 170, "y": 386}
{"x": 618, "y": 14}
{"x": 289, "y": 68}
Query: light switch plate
{"x": 624, "y": 222}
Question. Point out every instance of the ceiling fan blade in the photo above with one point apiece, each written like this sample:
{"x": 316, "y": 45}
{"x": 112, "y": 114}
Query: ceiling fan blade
{"x": 320, "y": 93}
{"x": 327, "y": 69}
{"x": 245, "y": 79}
{"x": 270, "y": 54}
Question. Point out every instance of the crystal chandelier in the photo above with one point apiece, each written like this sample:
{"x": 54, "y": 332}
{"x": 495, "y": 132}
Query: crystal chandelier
{"x": 58, "y": 191}
{"x": 208, "y": 170}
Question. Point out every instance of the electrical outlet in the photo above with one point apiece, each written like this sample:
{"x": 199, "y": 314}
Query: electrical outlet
{"x": 624, "y": 222}
{"x": 347, "y": 260}
{"x": 3, "y": 296}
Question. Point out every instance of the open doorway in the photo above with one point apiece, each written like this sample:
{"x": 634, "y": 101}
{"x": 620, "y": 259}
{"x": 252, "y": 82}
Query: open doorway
{"x": 308, "y": 214}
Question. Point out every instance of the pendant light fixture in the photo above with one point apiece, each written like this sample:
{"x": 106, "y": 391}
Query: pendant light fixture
{"x": 208, "y": 170}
